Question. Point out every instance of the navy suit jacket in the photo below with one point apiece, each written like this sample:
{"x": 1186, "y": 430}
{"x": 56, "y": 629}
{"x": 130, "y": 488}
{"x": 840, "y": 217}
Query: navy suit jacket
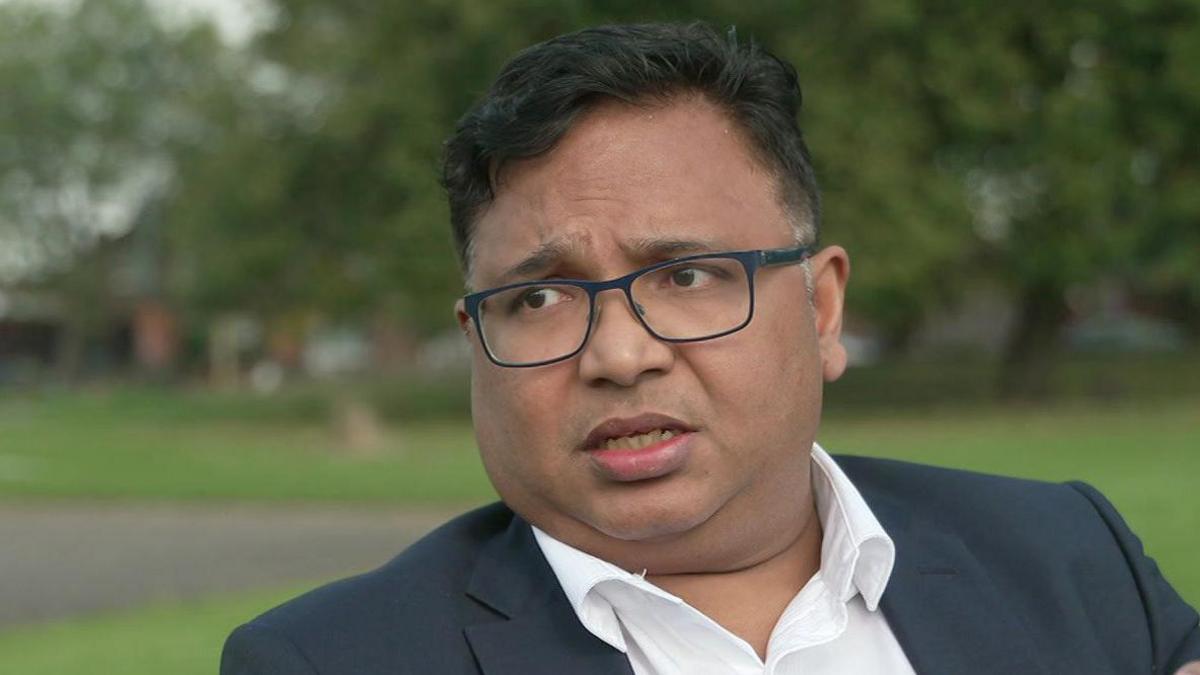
{"x": 993, "y": 575}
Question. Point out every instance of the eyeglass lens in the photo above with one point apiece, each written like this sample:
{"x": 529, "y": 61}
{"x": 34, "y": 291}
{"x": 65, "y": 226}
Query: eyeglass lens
{"x": 690, "y": 300}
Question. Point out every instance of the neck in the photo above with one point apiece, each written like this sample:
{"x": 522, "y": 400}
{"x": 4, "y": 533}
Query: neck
{"x": 749, "y": 601}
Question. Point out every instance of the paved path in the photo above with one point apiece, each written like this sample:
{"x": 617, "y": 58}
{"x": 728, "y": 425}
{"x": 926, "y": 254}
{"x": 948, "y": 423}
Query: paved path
{"x": 63, "y": 560}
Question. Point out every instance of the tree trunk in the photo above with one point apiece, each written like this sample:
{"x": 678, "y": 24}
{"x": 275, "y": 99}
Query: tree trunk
{"x": 70, "y": 348}
{"x": 1033, "y": 343}
{"x": 898, "y": 337}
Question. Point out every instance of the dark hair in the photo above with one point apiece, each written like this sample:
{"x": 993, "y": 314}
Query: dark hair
{"x": 544, "y": 88}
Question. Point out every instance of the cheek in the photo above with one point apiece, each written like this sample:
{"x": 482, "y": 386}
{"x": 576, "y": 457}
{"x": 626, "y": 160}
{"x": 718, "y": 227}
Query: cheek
{"x": 517, "y": 416}
{"x": 768, "y": 378}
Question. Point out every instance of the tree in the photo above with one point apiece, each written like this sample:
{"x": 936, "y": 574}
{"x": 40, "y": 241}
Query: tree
{"x": 99, "y": 104}
{"x": 1038, "y": 147}
{"x": 1043, "y": 147}
{"x": 1059, "y": 124}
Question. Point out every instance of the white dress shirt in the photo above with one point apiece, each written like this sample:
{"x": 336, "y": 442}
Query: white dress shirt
{"x": 833, "y": 625}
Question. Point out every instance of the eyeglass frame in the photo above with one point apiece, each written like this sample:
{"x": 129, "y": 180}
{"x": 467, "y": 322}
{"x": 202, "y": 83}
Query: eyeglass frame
{"x": 751, "y": 261}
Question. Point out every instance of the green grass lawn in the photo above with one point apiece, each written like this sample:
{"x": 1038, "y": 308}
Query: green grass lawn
{"x": 1146, "y": 458}
{"x": 177, "y": 639}
{"x": 148, "y": 445}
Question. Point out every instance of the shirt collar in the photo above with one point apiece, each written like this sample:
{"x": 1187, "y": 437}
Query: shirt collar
{"x": 578, "y": 573}
{"x": 857, "y": 555}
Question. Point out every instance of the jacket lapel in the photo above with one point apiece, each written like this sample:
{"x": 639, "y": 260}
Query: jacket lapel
{"x": 942, "y": 607}
{"x": 537, "y": 630}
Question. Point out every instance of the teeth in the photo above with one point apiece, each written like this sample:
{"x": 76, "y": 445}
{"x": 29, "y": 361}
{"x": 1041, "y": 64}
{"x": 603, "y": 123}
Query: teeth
{"x": 638, "y": 441}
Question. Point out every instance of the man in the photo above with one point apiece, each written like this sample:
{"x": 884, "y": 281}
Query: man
{"x": 652, "y": 324}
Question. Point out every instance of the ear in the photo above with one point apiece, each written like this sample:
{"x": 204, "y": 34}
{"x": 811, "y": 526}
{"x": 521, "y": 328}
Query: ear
{"x": 830, "y": 272}
{"x": 464, "y": 319}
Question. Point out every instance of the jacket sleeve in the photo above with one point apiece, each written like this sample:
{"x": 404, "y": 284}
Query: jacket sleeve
{"x": 1174, "y": 625}
{"x": 253, "y": 649}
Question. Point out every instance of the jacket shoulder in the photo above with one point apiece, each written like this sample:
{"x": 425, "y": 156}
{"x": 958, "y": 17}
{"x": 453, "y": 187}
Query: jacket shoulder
{"x": 1019, "y": 523}
{"x": 965, "y": 499}
{"x": 1061, "y": 547}
{"x": 406, "y": 615}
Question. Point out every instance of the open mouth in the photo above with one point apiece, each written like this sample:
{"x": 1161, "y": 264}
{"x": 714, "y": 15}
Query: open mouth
{"x": 634, "y": 433}
{"x": 637, "y": 449}
{"x": 639, "y": 441}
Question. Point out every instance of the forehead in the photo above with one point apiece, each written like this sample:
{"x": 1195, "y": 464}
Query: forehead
{"x": 624, "y": 175}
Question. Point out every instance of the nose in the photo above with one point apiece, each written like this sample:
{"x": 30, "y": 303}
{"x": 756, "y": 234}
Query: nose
{"x": 620, "y": 350}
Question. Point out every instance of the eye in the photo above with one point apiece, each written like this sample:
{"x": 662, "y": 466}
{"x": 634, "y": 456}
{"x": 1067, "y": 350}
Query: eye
{"x": 538, "y": 298}
{"x": 690, "y": 277}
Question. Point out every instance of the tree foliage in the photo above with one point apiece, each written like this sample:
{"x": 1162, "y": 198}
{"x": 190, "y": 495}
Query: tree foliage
{"x": 1036, "y": 147}
{"x": 99, "y": 102}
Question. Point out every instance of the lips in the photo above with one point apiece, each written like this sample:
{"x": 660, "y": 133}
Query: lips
{"x": 610, "y": 433}
{"x": 639, "y": 448}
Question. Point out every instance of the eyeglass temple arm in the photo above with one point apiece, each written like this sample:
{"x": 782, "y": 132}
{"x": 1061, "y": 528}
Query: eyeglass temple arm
{"x": 783, "y": 256}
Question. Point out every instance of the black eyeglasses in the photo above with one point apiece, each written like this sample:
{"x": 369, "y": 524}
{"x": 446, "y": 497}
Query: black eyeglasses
{"x": 698, "y": 297}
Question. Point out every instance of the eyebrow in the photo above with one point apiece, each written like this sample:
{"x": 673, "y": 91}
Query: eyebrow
{"x": 543, "y": 258}
{"x": 551, "y": 253}
{"x": 659, "y": 248}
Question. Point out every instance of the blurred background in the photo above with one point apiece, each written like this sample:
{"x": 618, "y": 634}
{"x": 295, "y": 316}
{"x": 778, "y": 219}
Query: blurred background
{"x": 228, "y": 365}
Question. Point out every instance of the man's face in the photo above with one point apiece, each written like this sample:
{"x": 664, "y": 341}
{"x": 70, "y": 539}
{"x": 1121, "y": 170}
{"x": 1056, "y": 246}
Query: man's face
{"x": 620, "y": 191}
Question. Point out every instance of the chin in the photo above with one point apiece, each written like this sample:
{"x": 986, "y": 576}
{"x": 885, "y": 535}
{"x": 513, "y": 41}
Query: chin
{"x": 651, "y": 524}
